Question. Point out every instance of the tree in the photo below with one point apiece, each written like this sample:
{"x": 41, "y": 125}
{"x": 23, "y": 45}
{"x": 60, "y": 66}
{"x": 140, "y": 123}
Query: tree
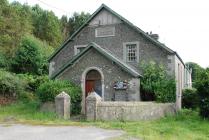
{"x": 203, "y": 91}
{"x": 64, "y": 27}
{"x": 156, "y": 84}
{"x": 196, "y": 72}
{"x": 14, "y": 23}
{"x": 76, "y": 21}
{"x": 31, "y": 57}
{"x": 46, "y": 26}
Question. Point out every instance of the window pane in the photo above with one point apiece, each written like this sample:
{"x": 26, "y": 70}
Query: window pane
{"x": 131, "y": 52}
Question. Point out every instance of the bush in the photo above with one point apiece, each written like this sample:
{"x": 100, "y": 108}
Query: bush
{"x": 203, "y": 92}
{"x": 10, "y": 84}
{"x": 156, "y": 84}
{"x": 190, "y": 98}
{"x": 27, "y": 97}
{"x": 3, "y": 61}
{"x": 165, "y": 90}
{"x": 33, "y": 81}
{"x": 48, "y": 91}
{"x": 31, "y": 57}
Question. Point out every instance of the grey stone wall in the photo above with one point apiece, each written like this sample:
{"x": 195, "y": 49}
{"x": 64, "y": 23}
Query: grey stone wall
{"x": 133, "y": 111}
{"x": 126, "y": 111}
{"x": 110, "y": 71}
{"x": 123, "y": 33}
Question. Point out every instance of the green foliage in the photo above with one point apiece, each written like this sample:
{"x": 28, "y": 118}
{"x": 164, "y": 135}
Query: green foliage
{"x": 165, "y": 90}
{"x": 33, "y": 81}
{"x": 4, "y": 63}
{"x": 76, "y": 21}
{"x": 190, "y": 98}
{"x": 27, "y": 97}
{"x": 46, "y": 26}
{"x": 157, "y": 84}
{"x": 48, "y": 91}
{"x": 196, "y": 72}
{"x": 31, "y": 57}
{"x": 203, "y": 92}
{"x": 10, "y": 84}
{"x": 14, "y": 23}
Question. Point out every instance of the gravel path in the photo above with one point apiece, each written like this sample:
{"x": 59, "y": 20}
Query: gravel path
{"x": 28, "y": 132}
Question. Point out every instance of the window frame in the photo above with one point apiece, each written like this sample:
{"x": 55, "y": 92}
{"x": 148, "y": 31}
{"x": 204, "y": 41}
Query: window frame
{"x": 76, "y": 47}
{"x": 125, "y": 53}
{"x": 96, "y": 31}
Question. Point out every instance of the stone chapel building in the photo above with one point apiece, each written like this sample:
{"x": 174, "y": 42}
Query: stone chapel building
{"x": 104, "y": 56}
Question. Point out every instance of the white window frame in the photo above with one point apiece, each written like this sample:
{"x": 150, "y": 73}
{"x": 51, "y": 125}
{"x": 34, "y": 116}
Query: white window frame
{"x": 96, "y": 31}
{"x": 125, "y": 51}
{"x": 76, "y": 47}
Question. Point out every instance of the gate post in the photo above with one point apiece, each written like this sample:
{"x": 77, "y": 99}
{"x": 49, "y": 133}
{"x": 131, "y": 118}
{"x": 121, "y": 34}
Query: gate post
{"x": 91, "y": 106}
{"x": 62, "y": 104}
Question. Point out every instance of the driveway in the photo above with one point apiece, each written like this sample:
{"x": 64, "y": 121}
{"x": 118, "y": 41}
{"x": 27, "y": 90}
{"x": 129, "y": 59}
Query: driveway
{"x": 27, "y": 132}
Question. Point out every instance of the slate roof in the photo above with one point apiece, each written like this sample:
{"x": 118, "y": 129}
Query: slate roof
{"x": 103, "y": 52}
{"x": 103, "y": 6}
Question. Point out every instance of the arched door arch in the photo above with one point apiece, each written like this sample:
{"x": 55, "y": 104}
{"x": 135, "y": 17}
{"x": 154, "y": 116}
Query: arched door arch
{"x": 92, "y": 80}
{"x": 93, "y": 83}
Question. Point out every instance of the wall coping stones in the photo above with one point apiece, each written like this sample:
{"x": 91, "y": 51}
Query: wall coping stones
{"x": 63, "y": 95}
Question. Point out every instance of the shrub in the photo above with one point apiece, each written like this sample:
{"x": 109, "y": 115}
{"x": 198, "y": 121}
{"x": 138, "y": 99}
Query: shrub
{"x": 27, "y": 97}
{"x": 48, "y": 91}
{"x": 33, "y": 81}
{"x": 190, "y": 98}
{"x": 157, "y": 84}
{"x": 3, "y": 61}
{"x": 10, "y": 84}
{"x": 203, "y": 92}
{"x": 31, "y": 57}
{"x": 165, "y": 90}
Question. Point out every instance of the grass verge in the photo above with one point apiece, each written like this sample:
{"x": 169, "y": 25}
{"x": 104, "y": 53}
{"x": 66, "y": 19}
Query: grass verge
{"x": 186, "y": 125}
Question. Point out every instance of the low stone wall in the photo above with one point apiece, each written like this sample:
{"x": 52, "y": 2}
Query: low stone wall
{"x": 126, "y": 111}
{"x": 133, "y": 111}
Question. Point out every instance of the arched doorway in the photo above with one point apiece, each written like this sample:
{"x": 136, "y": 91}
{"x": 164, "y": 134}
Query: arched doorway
{"x": 86, "y": 77}
{"x": 93, "y": 82}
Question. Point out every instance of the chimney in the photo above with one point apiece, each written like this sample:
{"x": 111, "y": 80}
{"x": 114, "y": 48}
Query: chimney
{"x": 154, "y": 36}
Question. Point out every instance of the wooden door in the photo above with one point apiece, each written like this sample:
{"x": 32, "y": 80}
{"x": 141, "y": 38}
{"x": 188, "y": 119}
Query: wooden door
{"x": 90, "y": 84}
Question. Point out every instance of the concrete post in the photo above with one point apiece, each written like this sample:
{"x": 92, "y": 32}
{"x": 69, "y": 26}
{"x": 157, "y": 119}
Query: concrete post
{"x": 62, "y": 105}
{"x": 91, "y": 106}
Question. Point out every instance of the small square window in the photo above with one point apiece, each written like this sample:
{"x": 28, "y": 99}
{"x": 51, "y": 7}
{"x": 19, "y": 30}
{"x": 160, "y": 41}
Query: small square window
{"x": 131, "y": 51}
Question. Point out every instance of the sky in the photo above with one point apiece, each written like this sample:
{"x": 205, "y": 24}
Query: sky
{"x": 183, "y": 25}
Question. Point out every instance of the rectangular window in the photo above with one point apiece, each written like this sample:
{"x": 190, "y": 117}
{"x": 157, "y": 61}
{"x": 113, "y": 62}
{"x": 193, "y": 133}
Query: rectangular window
{"x": 131, "y": 51}
{"x": 105, "y": 31}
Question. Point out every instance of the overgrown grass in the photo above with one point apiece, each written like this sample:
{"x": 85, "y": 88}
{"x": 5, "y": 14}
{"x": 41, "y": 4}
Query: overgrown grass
{"x": 186, "y": 125}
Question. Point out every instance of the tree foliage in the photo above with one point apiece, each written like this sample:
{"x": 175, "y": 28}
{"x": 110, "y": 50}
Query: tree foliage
{"x": 46, "y": 26}
{"x": 49, "y": 90}
{"x": 14, "y": 23}
{"x": 76, "y": 21}
{"x": 31, "y": 57}
{"x": 203, "y": 92}
{"x": 156, "y": 84}
{"x": 196, "y": 72}
{"x": 10, "y": 84}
